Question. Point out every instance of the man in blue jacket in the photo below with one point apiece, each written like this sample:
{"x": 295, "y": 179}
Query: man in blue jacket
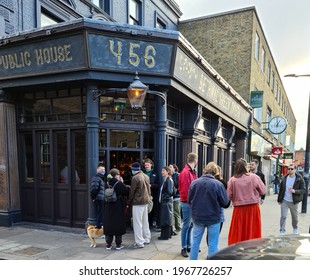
{"x": 207, "y": 196}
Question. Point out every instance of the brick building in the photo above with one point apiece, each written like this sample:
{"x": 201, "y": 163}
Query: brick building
{"x": 234, "y": 43}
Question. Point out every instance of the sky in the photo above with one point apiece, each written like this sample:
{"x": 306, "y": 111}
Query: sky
{"x": 286, "y": 25}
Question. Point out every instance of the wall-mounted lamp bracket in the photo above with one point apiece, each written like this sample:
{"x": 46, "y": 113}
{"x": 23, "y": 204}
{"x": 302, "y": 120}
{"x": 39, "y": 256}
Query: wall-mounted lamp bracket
{"x": 136, "y": 92}
{"x": 160, "y": 94}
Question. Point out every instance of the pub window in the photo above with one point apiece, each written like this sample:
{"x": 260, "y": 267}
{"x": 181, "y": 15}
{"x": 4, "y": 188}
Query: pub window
{"x": 116, "y": 107}
{"x": 28, "y": 169}
{"x": 173, "y": 115}
{"x": 148, "y": 140}
{"x": 52, "y": 105}
{"x": 135, "y": 12}
{"x": 124, "y": 139}
{"x": 45, "y": 156}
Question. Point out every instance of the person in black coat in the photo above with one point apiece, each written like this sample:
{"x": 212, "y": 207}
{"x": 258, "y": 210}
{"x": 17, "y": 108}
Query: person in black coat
{"x": 148, "y": 169}
{"x": 114, "y": 213}
{"x": 166, "y": 204}
{"x": 97, "y": 193}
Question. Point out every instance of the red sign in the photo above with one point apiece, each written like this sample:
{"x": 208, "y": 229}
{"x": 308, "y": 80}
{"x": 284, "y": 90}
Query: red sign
{"x": 276, "y": 151}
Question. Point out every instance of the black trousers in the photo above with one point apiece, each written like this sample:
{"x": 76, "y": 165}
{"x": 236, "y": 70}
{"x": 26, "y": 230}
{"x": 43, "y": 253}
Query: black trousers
{"x": 166, "y": 232}
{"x": 109, "y": 239}
{"x": 99, "y": 211}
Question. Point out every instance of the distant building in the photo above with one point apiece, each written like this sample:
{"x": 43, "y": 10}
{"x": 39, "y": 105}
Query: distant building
{"x": 234, "y": 43}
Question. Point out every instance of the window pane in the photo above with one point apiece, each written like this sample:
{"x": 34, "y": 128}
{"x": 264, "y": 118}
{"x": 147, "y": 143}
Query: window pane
{"x": 124, "y": 139}
{"x": 46, "y": 20}
{"x": 67, "y": 105}
{"x": 134, "y": 12}
{"x": 62, "y": 165}
{"x": 45, "y": 170}
{"x": 29, "y": 164}
{"x": 80, "y": 157}
{"x": 148, "y": 140}
{"x": 257, "y": 43}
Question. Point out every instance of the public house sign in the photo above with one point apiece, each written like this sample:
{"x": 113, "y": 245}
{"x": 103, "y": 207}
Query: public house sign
{"x": 100, "y": 49}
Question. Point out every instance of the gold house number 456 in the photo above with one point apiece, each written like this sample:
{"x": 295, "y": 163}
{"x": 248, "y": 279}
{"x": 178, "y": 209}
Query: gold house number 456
{"x": 133, "y": 58}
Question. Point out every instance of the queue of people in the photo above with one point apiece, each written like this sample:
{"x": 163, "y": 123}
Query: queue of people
{"x": 189, "y": 205}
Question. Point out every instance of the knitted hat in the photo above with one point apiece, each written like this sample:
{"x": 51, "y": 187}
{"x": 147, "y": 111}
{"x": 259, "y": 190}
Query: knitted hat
{"x": 135, "y": 166}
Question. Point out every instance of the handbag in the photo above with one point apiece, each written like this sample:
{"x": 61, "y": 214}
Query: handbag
{"x": 150, "y": 204}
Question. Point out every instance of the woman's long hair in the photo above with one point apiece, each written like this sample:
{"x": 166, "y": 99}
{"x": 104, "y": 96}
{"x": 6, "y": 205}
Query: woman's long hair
{"x": 241, "y": 168}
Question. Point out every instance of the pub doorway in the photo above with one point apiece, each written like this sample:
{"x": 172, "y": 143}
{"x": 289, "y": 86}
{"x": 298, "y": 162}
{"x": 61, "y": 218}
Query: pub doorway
{"x": 53, "y": 176}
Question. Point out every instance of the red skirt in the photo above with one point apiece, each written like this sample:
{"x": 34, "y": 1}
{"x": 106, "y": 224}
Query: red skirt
{"x": 245, "y": 224}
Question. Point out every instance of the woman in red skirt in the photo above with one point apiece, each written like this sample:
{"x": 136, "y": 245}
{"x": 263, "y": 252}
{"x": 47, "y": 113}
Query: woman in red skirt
{"x": 244, "y": 190}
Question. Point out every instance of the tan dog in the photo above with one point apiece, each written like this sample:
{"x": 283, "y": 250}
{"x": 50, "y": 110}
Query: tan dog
{"x": 93, "y": 233}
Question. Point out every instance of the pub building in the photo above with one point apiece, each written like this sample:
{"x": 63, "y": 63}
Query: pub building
{"x": 68, "y": 100}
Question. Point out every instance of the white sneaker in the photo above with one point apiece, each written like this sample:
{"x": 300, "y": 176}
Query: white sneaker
{"x": 119, "y": 247}
{"x": 282, "y": 232}
{"x": 295, "y": 231}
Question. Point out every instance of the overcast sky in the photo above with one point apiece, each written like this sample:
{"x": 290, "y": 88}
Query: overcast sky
{"x": 286, "y": 25}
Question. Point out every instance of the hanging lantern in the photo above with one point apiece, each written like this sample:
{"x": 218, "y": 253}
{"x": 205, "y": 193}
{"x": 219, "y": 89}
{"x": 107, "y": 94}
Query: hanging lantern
{"x": 137, "y": 92}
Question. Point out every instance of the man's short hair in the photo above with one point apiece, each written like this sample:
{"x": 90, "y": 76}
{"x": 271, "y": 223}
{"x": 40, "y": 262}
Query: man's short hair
{"x": 292, "y": 165}
{"x": 255, "y": 161}
{"x": 191, "y": 157}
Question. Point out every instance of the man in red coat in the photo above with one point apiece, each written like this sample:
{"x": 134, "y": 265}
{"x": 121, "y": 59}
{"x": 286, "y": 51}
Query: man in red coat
{"x": 187, "y": 175}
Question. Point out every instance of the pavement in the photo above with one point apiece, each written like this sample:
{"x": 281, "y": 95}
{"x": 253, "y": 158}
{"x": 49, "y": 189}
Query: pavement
{"x": 30, "y": 241}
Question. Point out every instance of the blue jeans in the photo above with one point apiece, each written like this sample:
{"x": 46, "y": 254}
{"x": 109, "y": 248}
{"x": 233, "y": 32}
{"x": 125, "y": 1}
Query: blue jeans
{"x": 275, "y": 188}
{"x": 187, "y": 225}
{"x": 212, "y": 236}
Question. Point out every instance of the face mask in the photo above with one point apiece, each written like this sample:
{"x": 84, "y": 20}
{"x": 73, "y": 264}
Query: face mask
{"x": 101, "y": 172}
{"x": 133, "y": 172}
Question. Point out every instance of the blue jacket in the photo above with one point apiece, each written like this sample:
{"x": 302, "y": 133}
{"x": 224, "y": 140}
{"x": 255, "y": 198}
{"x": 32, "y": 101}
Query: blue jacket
{"x": 207, "y": 196}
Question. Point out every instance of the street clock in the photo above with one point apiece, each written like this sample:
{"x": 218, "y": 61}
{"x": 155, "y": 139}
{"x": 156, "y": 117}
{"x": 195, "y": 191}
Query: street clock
{"x": 277, "y": 125}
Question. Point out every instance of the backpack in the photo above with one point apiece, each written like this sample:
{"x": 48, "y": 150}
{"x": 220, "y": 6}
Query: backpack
{"x": 110, "y": 194}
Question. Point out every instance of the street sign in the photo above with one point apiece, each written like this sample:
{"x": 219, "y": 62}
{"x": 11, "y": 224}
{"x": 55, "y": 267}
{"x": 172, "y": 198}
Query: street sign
{"x": 256, "y": 99}
{"x": 276, "y": 151}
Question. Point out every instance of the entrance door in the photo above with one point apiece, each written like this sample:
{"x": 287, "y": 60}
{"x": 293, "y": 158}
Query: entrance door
{"x": 54, "y": 186}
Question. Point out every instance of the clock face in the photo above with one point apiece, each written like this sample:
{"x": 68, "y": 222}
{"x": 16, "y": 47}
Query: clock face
{"x": 277, "y": 125}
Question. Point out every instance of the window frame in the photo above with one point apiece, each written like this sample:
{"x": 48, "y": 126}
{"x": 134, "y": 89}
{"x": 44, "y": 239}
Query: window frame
{"x": 131, "y": 19}
{"x": 257, "y": 46}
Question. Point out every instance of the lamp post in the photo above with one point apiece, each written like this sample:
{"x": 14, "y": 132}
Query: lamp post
{"x": 307, "y": 152}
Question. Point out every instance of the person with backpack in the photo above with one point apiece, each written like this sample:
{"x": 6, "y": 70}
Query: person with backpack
{"x": 114, "y": 211}
{"x": 97, "y": 193}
